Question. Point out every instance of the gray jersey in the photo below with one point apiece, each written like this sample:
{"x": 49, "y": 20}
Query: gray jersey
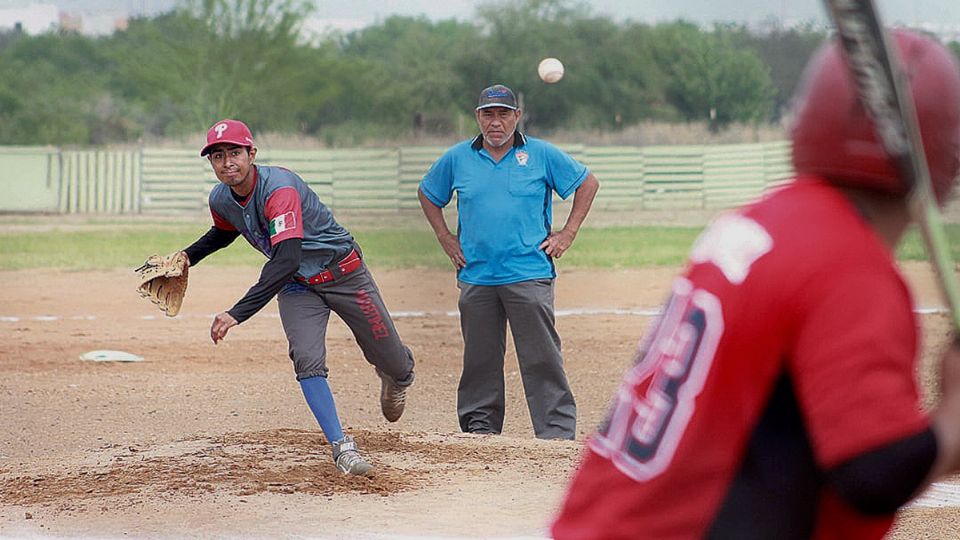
{"x": 283, "y": 206}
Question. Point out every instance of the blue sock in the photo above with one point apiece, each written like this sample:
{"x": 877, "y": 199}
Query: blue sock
{"x": 320, "y": 399}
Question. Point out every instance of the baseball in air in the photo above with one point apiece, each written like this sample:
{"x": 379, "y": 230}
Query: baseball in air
{"x": 550, "y": 70}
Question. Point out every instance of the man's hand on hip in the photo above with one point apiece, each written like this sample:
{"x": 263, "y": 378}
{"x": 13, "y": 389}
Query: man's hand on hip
{"x": 451, "y": 246}
{"x": 558, "y": 243}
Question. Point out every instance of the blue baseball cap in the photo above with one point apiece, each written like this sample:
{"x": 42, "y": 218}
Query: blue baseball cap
{"x": 497, "y": 95}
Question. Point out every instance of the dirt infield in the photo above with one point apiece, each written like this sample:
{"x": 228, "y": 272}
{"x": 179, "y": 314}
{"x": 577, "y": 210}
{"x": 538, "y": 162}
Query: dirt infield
{"x": 215, "y": 441}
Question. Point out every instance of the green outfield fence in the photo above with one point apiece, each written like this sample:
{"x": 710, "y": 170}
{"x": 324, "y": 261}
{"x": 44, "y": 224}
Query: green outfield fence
{"x": 157, "y": 180}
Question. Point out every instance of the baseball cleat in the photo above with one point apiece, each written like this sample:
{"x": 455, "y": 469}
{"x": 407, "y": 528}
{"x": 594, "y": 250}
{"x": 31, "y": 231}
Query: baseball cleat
{"x": 348, "y": 459}
{"x": 393, "y": 397}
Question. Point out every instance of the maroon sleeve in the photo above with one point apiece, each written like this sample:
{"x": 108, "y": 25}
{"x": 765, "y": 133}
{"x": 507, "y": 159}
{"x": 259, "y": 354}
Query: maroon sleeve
{"x": 284, "y": 214}
{"x": 221, "y": 223}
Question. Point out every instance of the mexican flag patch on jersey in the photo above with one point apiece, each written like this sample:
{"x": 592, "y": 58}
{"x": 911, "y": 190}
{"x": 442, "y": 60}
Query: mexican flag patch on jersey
{"x": 281, "y": 223}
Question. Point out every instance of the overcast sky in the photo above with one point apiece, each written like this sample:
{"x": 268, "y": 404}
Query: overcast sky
{"x": 904, "y": 11}
{"x": 362, "y": 12}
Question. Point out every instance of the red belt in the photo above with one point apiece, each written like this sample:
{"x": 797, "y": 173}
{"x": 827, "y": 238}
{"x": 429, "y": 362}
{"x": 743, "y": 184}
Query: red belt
{"x": 346, "y": 265}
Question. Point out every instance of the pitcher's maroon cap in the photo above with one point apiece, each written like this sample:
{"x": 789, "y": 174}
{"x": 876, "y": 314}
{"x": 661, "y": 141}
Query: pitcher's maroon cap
{"x": 229, "y": 132}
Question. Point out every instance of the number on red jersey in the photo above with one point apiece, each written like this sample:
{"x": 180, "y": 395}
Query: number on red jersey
{"x": 658, "y": 395}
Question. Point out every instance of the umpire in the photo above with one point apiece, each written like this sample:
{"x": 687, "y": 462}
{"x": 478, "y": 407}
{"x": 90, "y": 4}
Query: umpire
{"x": 503, "y": 252}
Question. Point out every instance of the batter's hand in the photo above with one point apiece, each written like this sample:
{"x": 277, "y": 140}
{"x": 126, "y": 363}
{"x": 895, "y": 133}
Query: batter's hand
{"x": 557, "y": 243}
{"x": 451, "y": 246}
{"x": 950, "y": 373}
{"x": 221, "y": 324}
{"x": 946, "y": 416}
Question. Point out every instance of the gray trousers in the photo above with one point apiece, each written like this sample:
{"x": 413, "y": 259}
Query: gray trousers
{"x": 305, "y": 312}
{"x": 528, "y": 307}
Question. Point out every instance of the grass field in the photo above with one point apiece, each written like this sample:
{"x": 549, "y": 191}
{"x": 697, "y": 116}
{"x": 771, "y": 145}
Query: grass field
{"x": 97, "y": 244}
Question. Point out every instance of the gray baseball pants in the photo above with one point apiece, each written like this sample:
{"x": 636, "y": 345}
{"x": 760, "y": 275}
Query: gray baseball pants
{"x": 355, "y": 297}
{"x": 484, "y": 314}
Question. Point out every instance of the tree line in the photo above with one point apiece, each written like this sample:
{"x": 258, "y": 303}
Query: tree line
{"x": 175, "y": 73}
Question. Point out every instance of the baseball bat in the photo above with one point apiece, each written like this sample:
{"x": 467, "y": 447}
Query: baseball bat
{"x": 885, "y": 93}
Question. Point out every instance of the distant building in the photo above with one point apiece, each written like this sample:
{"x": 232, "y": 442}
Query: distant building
{"x": 39, "y": 18}
{"x": 70, "y": 22}
{"x": 34, "y": 19}
{"x": 104, "y": 23}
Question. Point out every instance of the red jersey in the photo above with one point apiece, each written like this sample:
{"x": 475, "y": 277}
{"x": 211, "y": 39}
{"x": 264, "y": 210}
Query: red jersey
{"x": 787, "y": 347}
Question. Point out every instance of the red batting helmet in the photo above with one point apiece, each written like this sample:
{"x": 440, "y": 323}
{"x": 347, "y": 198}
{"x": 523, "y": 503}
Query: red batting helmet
{"x": 833, "y": 137}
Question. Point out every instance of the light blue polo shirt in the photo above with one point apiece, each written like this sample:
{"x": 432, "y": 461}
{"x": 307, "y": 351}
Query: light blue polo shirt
{"x": 504, "y": 208}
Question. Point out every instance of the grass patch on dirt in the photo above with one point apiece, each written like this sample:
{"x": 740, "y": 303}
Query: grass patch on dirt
{"x": 101, "y": 244}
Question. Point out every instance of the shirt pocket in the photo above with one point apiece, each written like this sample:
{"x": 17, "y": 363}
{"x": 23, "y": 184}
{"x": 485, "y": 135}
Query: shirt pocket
{"x": 526, "y": 182}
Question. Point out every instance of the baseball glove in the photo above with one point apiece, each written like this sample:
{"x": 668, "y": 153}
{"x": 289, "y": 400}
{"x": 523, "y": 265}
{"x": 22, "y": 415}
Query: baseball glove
{"x": 164, "y": 281}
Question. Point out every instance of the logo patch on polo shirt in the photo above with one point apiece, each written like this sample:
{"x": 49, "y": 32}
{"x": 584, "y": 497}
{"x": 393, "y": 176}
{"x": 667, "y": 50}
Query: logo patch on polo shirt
{"x": 282, "y": 223}
{"x": 522, "y": 157}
